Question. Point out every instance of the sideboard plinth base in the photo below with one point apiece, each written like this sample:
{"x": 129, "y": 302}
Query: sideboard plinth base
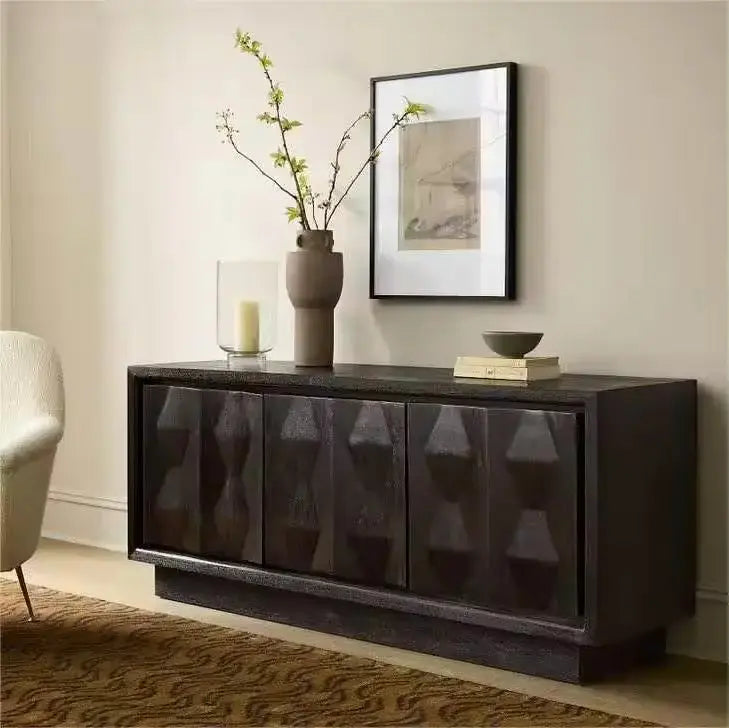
{"x": 525, "y": 653}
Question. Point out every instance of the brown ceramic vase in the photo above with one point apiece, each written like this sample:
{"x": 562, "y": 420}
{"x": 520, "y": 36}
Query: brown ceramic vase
{"x": 314, "y": 276}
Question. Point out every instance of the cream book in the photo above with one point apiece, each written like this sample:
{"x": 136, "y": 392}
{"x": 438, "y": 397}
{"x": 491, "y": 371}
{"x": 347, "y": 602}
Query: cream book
{"x": 505, "y": 361}
{"x": 518, "y": 374}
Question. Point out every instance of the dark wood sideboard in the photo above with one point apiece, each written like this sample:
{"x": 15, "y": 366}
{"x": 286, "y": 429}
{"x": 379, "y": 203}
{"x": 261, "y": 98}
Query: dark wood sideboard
{"x": 547, "y": 527}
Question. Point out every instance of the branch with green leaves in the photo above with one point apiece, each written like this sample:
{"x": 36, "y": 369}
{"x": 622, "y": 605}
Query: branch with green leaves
{"x": 303, "y": 195}
{"x": 282, "y": 156}
{"x": 225, "y": 126}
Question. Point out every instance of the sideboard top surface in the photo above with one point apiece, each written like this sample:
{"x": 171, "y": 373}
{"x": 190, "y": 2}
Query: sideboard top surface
{"x": 399, "y": 380}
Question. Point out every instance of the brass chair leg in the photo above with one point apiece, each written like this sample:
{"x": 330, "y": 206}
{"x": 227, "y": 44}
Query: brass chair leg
{"x": 24, "y": 589}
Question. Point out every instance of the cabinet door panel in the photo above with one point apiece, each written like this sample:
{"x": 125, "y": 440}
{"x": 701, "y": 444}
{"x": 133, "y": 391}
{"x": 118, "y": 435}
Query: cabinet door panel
{"x": 533, "y": 498}
{"x": 171, "y": 468}
{"x": 369, "y": 491}
{"x": 447, "y": 501}
{"x": 202, "y": 485}
{"x": 493, "y": 507}
{"x": 335, "y": 488}
{"x": 298, "y": 495}
{"x": 231, "y": 496}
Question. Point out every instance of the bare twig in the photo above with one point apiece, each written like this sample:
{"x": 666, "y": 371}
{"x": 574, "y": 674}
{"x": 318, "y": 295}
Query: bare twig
{"x": 313, "y": 211}
{"x": 373, "y": 155}
{"x": 333, "y": 181}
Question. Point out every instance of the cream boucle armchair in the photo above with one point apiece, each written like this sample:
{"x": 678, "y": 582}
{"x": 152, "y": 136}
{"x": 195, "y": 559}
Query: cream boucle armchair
{"x": 31, "y": 425}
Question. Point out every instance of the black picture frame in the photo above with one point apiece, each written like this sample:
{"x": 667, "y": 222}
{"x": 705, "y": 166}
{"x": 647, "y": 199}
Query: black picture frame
{"x": 510, "y": 178}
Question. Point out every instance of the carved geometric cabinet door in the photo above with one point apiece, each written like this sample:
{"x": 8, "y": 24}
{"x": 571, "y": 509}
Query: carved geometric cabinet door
{"x": 297, "y": 494}
{"x": 202, "y": 484}
{"x": 493, "y": 507}
{"x": 171, "y": 468}
{"x": 231, "y": 474}
{"x": 369, "y": 491}
{"x": 447, "y": 501}
{"x": 533, "y": 499}
{"x": 335, "y": 488}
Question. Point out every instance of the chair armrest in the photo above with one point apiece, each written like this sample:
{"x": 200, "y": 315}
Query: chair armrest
{"x": 30, "y": 440}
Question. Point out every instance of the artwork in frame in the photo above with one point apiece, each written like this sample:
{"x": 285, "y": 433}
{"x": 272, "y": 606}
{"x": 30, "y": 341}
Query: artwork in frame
{"x": 443, "y": 188}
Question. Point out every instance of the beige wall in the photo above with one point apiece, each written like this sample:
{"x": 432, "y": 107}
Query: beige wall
{"x": 5, "y": 260}
{"x": 123, "y": 198}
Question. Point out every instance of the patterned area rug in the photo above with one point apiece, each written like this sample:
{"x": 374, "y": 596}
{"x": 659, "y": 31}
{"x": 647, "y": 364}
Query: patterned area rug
{"x": 93, "y": 663}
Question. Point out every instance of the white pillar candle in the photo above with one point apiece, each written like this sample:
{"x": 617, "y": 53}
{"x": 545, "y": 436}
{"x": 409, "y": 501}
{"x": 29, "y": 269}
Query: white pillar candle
{"x": 246, "y": 327}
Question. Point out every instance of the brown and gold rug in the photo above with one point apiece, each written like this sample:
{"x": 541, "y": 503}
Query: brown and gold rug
{"x": 93, "y": 663}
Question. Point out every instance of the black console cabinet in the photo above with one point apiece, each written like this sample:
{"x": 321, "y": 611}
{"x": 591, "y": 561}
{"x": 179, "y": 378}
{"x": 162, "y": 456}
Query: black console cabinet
{"x": 547, "y": 528}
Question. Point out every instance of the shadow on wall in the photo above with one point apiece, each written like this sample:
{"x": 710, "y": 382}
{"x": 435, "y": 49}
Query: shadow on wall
{"x": 713, "y": 447}
{"x": 705, "y": 635}
{"x": 434, "y": 333}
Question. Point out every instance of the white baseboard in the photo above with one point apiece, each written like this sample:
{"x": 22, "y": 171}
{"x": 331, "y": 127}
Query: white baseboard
{"x": 102, "y": 522}
{"x": 86, "y": 520}
{"x": 705, "y": 635}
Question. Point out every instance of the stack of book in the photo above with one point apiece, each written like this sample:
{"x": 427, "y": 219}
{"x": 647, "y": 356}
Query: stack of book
{"x": 528, "y": 369}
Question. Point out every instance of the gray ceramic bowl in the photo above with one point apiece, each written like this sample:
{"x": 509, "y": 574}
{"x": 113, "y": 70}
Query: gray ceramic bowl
{"x": 511, "y": 343}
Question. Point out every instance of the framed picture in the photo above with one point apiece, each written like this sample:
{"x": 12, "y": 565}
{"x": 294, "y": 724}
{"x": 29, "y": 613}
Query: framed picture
{"x": 443, "y": 189}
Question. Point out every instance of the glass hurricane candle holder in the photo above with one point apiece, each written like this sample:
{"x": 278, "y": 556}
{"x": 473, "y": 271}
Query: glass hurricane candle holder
{"x": 247, "y": 298}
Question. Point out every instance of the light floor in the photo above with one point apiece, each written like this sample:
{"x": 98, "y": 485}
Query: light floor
{"x": 681, "y": 692}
